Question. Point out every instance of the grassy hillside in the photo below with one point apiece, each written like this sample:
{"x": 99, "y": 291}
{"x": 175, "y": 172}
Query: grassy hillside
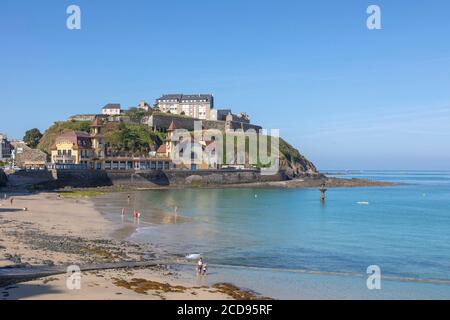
{"x": 134, "y": 139}
{"x": 121, "y": 137}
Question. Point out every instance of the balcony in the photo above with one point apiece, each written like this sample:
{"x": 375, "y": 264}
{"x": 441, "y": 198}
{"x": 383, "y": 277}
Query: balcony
{"x": 64, "y": 159}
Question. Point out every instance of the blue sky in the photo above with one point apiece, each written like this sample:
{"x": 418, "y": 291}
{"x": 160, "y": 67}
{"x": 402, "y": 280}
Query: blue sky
{"x": 347, "y": 97}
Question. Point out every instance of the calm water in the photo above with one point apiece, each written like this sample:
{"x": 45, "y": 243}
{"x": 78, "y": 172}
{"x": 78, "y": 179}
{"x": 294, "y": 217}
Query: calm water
{"x": 280, "y": 241}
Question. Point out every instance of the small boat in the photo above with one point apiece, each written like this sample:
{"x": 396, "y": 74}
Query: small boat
{"x": 366, "y": 203}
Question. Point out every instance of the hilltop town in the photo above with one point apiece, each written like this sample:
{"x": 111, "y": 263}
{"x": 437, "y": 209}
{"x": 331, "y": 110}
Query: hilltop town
{"x": 115, "y": 145}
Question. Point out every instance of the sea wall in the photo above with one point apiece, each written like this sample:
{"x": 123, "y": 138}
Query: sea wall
{"x": 220, "y": 177}
{"x": 99, "y": 178}
{"x": 3, "y": 178}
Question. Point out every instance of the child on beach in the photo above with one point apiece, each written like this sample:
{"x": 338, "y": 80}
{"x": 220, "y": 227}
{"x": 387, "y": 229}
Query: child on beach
{"x": 204, "y": 269}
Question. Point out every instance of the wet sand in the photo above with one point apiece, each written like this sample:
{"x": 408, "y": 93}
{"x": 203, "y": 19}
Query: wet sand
{"x": 55, "y": 231}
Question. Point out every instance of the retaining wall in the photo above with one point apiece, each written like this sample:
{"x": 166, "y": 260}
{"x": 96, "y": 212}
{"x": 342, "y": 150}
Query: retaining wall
{"x": 100, "y": 178}
{"x": 3, "y": 178}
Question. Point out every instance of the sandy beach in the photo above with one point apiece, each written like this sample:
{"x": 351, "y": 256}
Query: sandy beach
{"x": 56, "y": 231}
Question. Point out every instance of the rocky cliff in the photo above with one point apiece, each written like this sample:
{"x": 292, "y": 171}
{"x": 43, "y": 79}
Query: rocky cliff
{"x": 293, "y": 163}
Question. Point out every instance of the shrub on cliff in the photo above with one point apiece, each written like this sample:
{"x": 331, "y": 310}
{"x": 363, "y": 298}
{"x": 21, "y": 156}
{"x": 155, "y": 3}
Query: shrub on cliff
{"x": 136, "y": 114}
{"x": 131, "y": 138}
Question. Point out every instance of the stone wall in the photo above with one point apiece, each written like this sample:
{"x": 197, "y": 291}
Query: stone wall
{"x": 3, "y": 178}
{"x": 219, "y": 177}
{"x": 97, "y": 178}
{"x": 162, "y": 122}
{"x": 80, "y": 178}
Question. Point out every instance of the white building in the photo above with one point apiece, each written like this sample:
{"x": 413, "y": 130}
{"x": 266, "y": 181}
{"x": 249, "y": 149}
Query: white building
{"x": 112, "y": 109}
{"x": 196, "y": 106}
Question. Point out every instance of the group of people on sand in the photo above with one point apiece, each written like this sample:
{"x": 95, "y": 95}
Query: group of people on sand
{"x": 202, "y": 267}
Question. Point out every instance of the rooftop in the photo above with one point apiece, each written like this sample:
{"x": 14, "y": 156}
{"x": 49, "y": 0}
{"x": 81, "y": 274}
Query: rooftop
{"x": 187, "y": 97}
{"x": 78, "y": 138}
{"x": 112, "y": 106}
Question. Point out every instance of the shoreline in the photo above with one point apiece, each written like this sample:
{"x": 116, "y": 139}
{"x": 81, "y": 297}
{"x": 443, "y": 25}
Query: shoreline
{"x": 298, "y": 183}
{"x": 55, "y": 231}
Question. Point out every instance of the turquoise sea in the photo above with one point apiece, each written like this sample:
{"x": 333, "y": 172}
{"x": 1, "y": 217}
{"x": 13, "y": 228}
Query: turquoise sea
{"x": 285, "y": 244}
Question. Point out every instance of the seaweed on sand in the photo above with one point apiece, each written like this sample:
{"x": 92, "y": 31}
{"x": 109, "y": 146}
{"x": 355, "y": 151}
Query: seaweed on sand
{"x": 142, "y": 286}
{"x": 237, "y": 293}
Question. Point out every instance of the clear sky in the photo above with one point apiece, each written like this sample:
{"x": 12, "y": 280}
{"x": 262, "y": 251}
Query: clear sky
{"x": 347, "y": 97}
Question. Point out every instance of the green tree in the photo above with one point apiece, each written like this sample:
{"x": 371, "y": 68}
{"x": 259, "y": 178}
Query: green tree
{"x": 131, "y": 138}
{"x": 32, "y": 137}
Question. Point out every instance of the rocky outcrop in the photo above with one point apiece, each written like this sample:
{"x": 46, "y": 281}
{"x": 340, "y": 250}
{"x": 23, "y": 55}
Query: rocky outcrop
{"x": 3, "y": 178}
{"x": 293, "y": 164}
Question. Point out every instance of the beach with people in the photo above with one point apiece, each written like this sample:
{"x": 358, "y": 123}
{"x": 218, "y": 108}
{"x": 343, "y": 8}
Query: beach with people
{"x": 197, "y": 243}
{"x": 56, "y": 232}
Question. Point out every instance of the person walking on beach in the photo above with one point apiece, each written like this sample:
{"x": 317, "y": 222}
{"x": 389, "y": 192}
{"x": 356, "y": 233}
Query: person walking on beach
{"x": 12, "y": 201}
{"x": 129, "y": 198}
{"x": 123, "y": 212}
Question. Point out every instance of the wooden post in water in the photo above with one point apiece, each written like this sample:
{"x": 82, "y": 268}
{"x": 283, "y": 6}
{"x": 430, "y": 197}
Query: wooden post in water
{"x": 322, "y": 193}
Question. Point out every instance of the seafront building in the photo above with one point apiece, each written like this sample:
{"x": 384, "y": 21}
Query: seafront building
{"x": 28, "y": 158}
{"x": 75, "y": 150}
{"x": 73, "y": 147}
